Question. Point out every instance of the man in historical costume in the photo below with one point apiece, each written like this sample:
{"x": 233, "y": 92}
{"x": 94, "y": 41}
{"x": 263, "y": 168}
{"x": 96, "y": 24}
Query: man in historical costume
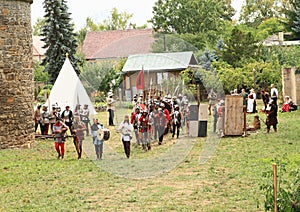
{"x": 111, "y": 108}
{"x": 134, "y": 120}
{"x": 84, "y": 116}
{"x": 67, "y": 117}
{"x": 162, "y": 125}
{"x": 167, "y": 114}
{"x": 78, "y": 127}
{"x": 37, "y": 118}
{"x": 77, "y": 111}
{"x": 53, "y": 115}
{"x": 144, "y": 130}
{"x": 265, "y": 97}
{"x": 212, "y": 97}
{"x": 244, "y": 94}
{"x": 98, "y": 143}
{"x": 274, "y": 94}
{"x": 176, "y": 121}
{"x": 59, "y": 129}
{"x": 45, "y": 120}
{"x": 216, "y": 115}
{"x": 271, "y": 116}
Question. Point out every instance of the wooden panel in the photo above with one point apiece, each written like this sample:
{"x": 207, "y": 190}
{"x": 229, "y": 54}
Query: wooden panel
{"x": 203, "y": 112}
{"x": 234, "y": 115}
{"x": 193, "y": 131}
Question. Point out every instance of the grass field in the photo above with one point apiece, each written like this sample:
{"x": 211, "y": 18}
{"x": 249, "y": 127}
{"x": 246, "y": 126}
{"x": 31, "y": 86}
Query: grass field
{"x": 34, "y": 180}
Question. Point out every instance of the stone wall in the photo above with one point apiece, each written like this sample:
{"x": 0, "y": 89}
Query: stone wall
{"x": 16, "y": 74}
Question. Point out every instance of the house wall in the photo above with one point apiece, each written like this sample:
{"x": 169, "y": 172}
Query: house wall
{"x": 156, "y": 77}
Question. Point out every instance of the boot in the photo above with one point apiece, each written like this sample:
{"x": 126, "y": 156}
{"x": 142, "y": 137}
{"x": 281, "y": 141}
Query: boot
{"x": 275, "y": 130}
{"x": 268, "y": 131}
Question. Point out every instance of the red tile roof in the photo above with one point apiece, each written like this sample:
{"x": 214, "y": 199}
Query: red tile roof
{"x": 117, "y": 43}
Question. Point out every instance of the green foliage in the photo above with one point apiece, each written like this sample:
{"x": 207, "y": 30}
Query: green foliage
{"x": 269, "y": 27}
{"x": 255, "y": 12}
{"x": 190, "y": 16}
{"x": 171, "y": 43}
{"x": 296, "y": 22}
{"x": 39, "y": 74}
{"x": 239, "y": 47}
{"x": 101, "y": 76}
{"x": 59, "y": 38}
{"x": 38, "y": 26}
{"x": 288, "y": 176}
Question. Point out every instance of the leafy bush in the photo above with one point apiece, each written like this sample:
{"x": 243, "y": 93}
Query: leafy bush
{"x": 288, "y": 196}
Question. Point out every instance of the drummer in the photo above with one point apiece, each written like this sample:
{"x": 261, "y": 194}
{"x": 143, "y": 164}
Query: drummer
{"x": 98, "y": 143}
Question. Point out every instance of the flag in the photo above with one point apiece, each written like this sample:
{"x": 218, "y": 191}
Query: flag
{"x": 140, "y": 80}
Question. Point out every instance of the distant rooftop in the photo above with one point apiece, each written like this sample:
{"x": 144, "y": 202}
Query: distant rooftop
{"x": 115, "y": 44}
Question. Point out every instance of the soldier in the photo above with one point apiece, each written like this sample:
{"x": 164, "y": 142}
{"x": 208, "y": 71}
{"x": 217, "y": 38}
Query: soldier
{"x": 78, "y": 128}
{"x": 67, "y": 117}
{"x": 84, "y": 116}
{"x": 59, "y": 129}
{"x": 37, "y": 117}
{"x": 53, "y": 115}
{"x": 144, "y": 130}
{"x": 45, "y": 121}
{"x": 176, "y": 120}
{"x": 162, "y": 125}
{"x": 134, "y": 120}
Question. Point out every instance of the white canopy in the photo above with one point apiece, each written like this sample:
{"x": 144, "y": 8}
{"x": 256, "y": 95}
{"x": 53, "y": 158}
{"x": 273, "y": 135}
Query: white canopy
{"x": 68, "y": 90}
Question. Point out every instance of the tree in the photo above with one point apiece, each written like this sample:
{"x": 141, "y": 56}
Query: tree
{"x": 38, "y": 26}
{"x": 190, "y": 16}
{"x": 99, "y": 76}
{"x": 269, "y": 27}
{"x": 59, "y": 38}
{"x": 256, "y": 11}
{"x": 241, "y": 46}
{"x": 296, "y": 22}
{"x": 116, "y": 21}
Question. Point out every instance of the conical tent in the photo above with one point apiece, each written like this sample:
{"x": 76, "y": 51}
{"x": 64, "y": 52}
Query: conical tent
{"x": 68, "y": 90}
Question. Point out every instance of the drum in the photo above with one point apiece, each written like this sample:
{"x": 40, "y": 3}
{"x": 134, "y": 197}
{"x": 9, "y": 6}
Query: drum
{"x": 103, "y": 134}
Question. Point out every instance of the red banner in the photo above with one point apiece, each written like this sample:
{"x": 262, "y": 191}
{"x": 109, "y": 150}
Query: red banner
{"x": 140, "y": 81}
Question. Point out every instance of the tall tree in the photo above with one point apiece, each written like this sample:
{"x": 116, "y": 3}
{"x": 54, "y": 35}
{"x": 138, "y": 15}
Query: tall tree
{"x": 59, "y": 38}
{"x": 190, "y": 16}
{"x": 296, "y": 22}
{"x": 256, "y": 11}
{"x": 240, "y": 47}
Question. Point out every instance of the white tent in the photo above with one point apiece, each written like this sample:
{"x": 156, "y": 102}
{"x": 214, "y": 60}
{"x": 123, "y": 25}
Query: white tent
{"x": 68, "y": 90}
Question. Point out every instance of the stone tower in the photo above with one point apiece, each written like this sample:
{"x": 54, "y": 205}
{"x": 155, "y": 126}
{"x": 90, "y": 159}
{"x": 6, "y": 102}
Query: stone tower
{"x": 16, "y": 74}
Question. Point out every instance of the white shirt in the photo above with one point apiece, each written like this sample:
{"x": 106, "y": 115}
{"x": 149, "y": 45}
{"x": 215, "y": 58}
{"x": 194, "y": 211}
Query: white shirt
{"x": 274, "y": 92}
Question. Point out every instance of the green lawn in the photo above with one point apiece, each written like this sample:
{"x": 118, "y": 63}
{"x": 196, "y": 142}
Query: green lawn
{"x": 34, "y": 180}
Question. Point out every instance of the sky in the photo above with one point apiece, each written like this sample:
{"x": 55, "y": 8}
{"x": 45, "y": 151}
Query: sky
{"x": 99, "y": 10}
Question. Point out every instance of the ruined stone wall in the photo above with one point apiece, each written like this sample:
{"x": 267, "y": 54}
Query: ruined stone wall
{"x": 16, "y": 74}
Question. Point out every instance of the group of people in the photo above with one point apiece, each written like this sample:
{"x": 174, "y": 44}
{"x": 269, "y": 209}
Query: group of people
{"x": 76, "y": 122}
{"x": 152, "y": 119}
{"x": 249, "y": 101}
